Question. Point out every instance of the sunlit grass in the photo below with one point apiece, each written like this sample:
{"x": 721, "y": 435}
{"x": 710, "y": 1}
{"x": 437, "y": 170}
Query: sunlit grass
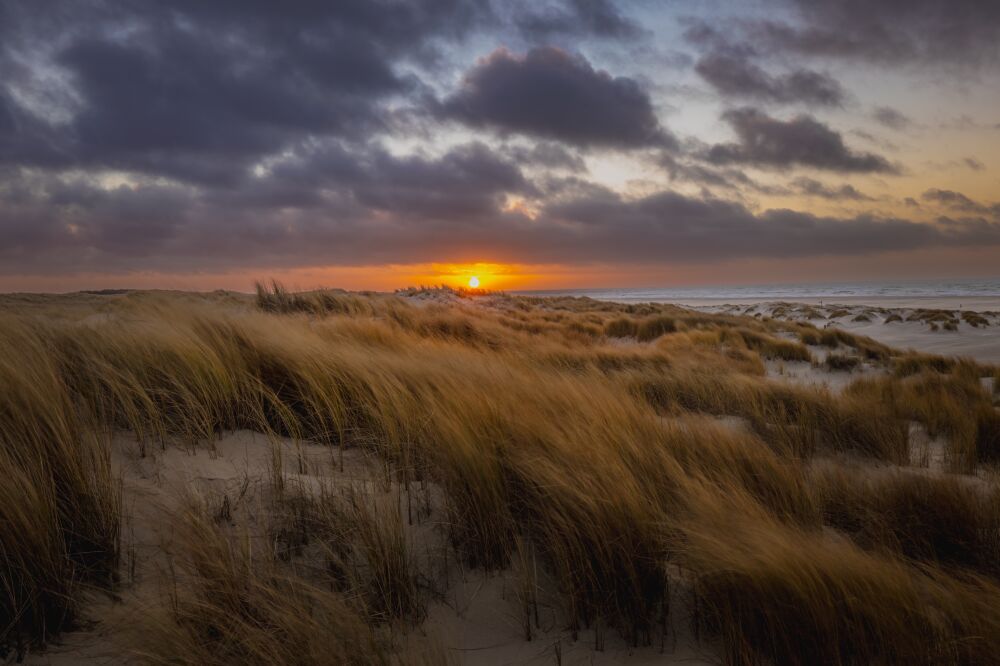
{"x": 618, "y": 444}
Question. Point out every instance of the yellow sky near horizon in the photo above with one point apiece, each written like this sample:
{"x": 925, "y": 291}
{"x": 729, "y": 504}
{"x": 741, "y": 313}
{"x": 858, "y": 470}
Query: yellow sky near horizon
{"x": 947, "y": 263}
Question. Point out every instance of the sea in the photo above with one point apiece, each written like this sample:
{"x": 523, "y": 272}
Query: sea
{"x": 951, "y": 288}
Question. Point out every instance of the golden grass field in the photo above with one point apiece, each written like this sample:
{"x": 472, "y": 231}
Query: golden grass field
{"x": 643, "y": 479}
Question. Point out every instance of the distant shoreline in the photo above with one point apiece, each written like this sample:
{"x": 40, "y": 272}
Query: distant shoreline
{"x": 894, "y": 321}
{"x": 967, "y": 294}
{"x": 975, "y": 303}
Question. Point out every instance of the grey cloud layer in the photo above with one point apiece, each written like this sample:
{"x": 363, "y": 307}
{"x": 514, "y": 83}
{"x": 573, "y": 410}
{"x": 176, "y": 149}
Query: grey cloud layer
{"x": 845, "y": 192}
{"x": 597, "y": 17}
{"x": 959, "y": 202}
{"x": 677, "y": 228}
{"x": 891, "y": 118}
{"x": 893, "y": 30}
{"x": 450, "y": 205}
{"x": 250, "y": 134}
{"x": 890, "y": 32}
{"x": 769, "y": 142}
{"x": 736, "y": 76}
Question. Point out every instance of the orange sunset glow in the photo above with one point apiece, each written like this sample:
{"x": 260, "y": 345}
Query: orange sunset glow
{"x": 475, "y": 275}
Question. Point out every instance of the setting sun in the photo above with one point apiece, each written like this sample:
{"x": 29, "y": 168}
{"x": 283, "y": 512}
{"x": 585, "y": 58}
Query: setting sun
{"x": 474, "y": 282}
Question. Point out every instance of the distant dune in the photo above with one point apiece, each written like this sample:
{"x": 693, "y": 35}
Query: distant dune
{"x": 966, "y": 327}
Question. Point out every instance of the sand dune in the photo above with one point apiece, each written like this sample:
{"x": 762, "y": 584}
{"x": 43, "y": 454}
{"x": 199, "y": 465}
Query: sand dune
{"x": 442, "y": 476}
{"x": 903, "y": 323}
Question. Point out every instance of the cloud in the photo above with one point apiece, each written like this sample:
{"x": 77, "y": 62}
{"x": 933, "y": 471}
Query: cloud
{"x": 551, "y": 94}
{"x": 201, "y": 92}
{"x": 467, "y": 182}
{"x": 891, "y": 118}
{"x": 668, "y": 226}
{"x": 780, "y": 144}
{"x": 959, "y": 34}
{"x": 546, "y": 154}
{"x": 815, "y": 188}
{"x": 43, "y": 216}
{"x": 196, "y": 135}
{"x": 726, "y": 178}
{"x": 327, "y": 203}
{"x": 25, "y": 140}
{"x": 973, "y": 164}
{"x": 945, "y": 30}
{"x": 889, "y": 31}
{"x": 736, "y": 76}
{"x": 454, "y": 205}
{"x": 599, "y": 18}
{"x": 960, "y": 202}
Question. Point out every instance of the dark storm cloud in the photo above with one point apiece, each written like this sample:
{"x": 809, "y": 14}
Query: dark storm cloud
{"x": 736, "y": 76}
{"x": 769, "y": 142}
{"x": 891, "y": 118}
{"x": 551, "y": 94}
{"x": 200, "y": 91}
{"x": 182, "y": 111}
{"x": 815, "y": 188}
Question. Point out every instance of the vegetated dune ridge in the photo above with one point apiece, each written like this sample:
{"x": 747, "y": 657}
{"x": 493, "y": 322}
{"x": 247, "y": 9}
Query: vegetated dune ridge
{"x": 931, "y": 325}
{"x": 445, "y": 476}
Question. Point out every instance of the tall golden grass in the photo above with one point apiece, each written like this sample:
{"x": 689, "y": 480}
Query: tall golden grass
{"x": 60, "y": 502}
{"x": 600, "y": 436}
{"x": 953, "y": 404}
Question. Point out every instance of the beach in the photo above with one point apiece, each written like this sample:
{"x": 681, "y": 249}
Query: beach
{"x": 898, "y": 313}
{"x": 902, "y": 322}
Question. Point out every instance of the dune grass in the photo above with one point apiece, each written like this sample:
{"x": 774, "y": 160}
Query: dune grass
{"x": 635, "y": 450}
{"x": 233, "y": 604}
{"x": 941, "y": 520}
{"x": 776, "y": 594}
{"x": 60, "y": 502}
{"x": 954, "y": 405}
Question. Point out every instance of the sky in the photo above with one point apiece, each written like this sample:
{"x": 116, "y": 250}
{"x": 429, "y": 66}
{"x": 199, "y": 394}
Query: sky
{"x": 375, "y": 144}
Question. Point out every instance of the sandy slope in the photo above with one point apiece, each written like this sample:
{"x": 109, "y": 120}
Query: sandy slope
{"x": 476, "y": 616}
